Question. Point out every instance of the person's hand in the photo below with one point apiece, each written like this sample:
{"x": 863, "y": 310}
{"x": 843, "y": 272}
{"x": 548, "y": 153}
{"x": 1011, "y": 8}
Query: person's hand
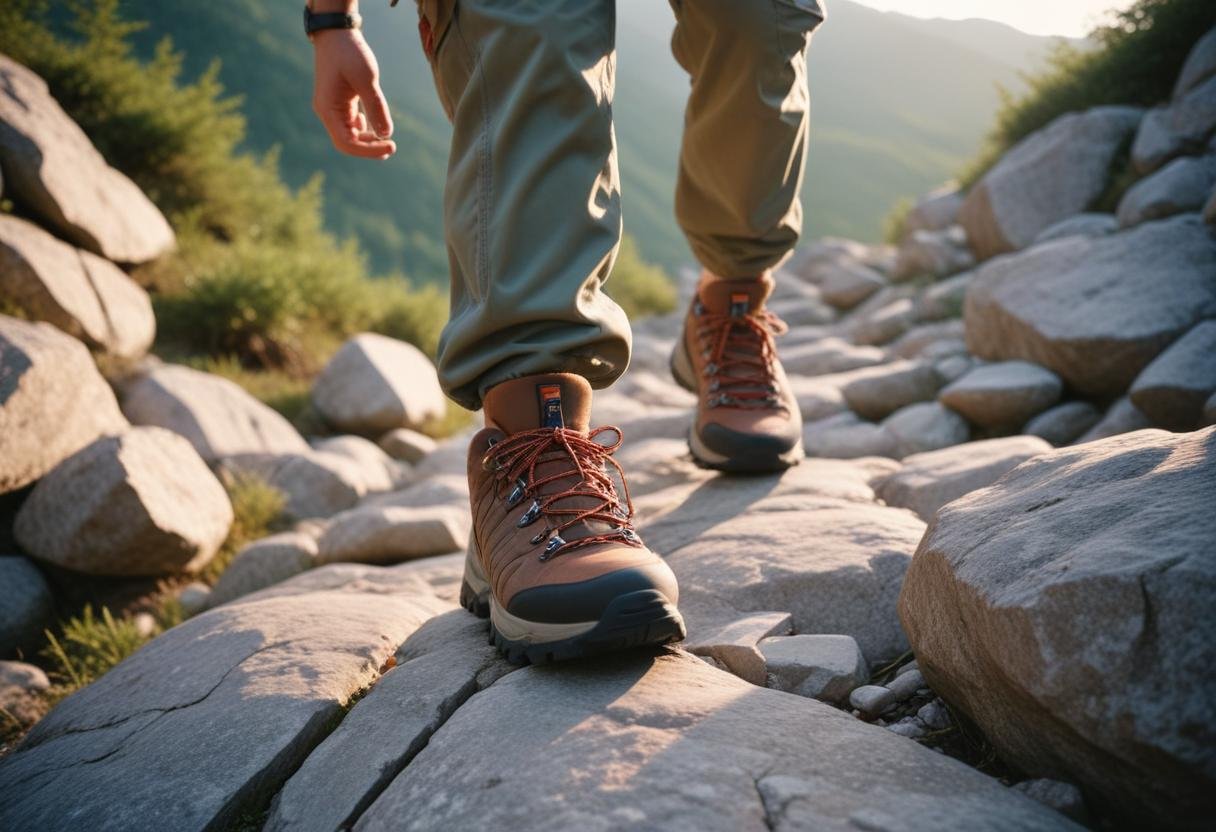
{"x": 346, "y": 75}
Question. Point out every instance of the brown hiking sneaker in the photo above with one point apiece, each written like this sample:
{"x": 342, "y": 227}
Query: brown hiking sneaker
{"x": 553, "y": 559}
{"x": 747, "y": 417}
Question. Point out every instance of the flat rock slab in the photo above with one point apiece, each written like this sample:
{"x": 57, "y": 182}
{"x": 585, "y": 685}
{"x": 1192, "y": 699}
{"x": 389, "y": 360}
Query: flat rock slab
{"x": 668, "y": 742}
{"x": 53, "y": 401}
{"x": 52, "y": 168}
{"x": 208, "y": 720}
{"x": 1067, "y": 611}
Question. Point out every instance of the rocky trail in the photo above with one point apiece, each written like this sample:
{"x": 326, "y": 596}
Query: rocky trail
{"x": 983, "y": 602}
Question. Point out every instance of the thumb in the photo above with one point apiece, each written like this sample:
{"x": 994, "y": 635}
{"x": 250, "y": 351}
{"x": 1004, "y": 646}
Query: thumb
{"x": 376, "y": 108}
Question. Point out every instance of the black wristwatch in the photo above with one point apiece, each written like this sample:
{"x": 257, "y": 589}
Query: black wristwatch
{"x": 329, "y": 20}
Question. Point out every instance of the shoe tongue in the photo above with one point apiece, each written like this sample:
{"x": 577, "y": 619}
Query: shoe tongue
{"x": 734, "y": 297}
{"x": 552, "y": 400}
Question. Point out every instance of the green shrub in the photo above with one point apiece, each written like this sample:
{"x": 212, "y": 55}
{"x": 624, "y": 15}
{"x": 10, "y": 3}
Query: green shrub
{"x": 1137, "y": 60}
{"x": 895, "y": 224}
{"x": 88, "y": 647}
{"x": 257, "y": 509}
{"x": 639, "y": 287}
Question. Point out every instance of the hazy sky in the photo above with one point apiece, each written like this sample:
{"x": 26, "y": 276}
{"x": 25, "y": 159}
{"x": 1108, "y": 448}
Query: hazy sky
{"x": 1042, "y": 17}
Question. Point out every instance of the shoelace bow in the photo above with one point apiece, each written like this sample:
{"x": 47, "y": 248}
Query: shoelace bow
{"x": 515, "y": 459}
{"x": 735, "y": 345}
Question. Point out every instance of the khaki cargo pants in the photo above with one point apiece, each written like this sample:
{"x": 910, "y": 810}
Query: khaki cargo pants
{"x": 532, "y": 208}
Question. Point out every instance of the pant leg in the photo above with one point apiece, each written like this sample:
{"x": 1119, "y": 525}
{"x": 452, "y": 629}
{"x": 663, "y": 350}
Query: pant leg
{"x": 745, "y": 129}
{"x": 532, "y": 211}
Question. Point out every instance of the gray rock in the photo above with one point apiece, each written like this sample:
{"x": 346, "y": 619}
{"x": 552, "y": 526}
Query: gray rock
{"x": 927, "y": 426}
{"x": 871, "y": 700}
{"x": 943, "y": 299}
{"x": 936, "y": 210}
{"x": 933, "y": 338}
{"x": 1003, "y": 395}
{"x": 828, "y": 355}
{"x": 264, "y": 563}
{"x": 1182, "y": 185}
{"x": 53, "y": 401}
{"x": 1209, "y": 411}
{"x": 905, "y": 685}
{"x": 886, "y": 324}
{"x": 822, "y": 667}
{"x": 87, "y": 297}
{"x": 1065, "y": 798}
{"x": 1121, "y": 417}
{"x": 1173, "y": 389}
{"x": 374, "y": 384}
{"x": 1092, "y": 310}
{"x": 849, "y": 283}
{"x": 1209, "y": 210}
{"x": 407, "y": 445}
{"x": 802, "y": 311}
{"x": 439, "y": 667}
{"x": 733, "y": 641}
{"x": 953, "y": 367}
{"x": 1049, "y": 176}
{"x": 26, "y": 606}
{"x": 1064, "y": 423}
{"x": 1180, "y": 128}
{"x": 193, "y": 598}
{"x": 722, "y": 755}
{"x": 52, "y": 169}
{"x": 909, "y": 727}
{"x": 1079, "y": 225}
{"x": 846, "y": 436}
{"x": 21, "y": 689}
{"x": 876, "y": 392}
{"x": 194, "y": 729}
{"x": 393, "y": 534}
{"x": 380, "y": 472}
{"x": 141, "y": 503}
{"x": 933, "y": 253}
{"x": 1200, "y": 64}
{"x": 216, "y": 415}
{"x": 1013, "y": 619}
{"x": 817, "y": 399}
{"x": 315, "y": 483}
{"x": 934, "y": 716}
{"x": 928, "y": 481}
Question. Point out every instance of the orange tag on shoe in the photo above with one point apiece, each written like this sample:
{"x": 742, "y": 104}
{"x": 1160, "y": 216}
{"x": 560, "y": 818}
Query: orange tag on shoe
{"x": 550, "y": 405}
{"x": 739, "y": 303}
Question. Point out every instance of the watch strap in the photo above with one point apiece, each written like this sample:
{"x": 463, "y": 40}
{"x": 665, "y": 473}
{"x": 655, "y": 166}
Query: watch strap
{"x": 316, "y": 22}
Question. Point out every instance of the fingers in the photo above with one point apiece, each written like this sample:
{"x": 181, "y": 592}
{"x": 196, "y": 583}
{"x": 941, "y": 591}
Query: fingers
{"x": 348, "y": 131}
{"x": 376, "y": 107}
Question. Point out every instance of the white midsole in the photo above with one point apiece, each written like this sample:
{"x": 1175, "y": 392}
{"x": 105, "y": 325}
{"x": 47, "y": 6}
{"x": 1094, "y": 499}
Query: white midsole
{"x": 473, "y": 574}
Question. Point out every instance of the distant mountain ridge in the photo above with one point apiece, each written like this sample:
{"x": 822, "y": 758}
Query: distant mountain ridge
{"x": 898, "y": 104}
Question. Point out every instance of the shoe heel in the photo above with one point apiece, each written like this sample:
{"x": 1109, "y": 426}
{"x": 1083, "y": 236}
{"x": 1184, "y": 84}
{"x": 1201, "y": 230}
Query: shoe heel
{"x": 475, "y": 588}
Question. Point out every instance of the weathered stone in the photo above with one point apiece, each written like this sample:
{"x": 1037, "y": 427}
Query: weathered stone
{"x": 436, "y": 490}
{"x": 953, "y": 367}
{"x": 936, "y": 210}
{"x": 817, "y": 399}
{"x": 52, "y": 168}
{"x": 926, "y": 426}
{"x": 875, "y": 392}
{"x": 734, "y": 642}
{"x": 932, "y": 338}
{"x": 1200, "y": 64}
{"x": 803, "y": 311}
{"x": 1092, "y": 310}
{"x": 380, "y": 472}
{"x": 193, "y": 598}
{"x": 393, "y": 534}
{"x": 1079, "y": 225}
{"x": 846, "y": 436}
{"x": 315, "y": 483}
{"x": 140, "y": 503}
{"x": 722, "y": 755}
{"x": 1064, "y": 423}
{"x": 21, "y": 689}
{"x": 1065, "y": 798}
{"x": 1003, "y": 395}
{"x": 933, "y": 253}
{"x": 904, "y": 685}
{"x": 1209, "y": 411}
{"x": 53, "y": 401}
{"x": 197, "y": 727}
{"x": 886, "y": 324}
{"x": 1173, "y": 389}
{"x": 828, "y": 355}
{"x": 849, "y": 283}
{"x": 1049, "y": 176}
{"x": 1062, "y": 636}
{"x": 928, "y": 481}
{"x": 407, "y": 445}
{"x": 871, "y": 700}
{"x": 1121, "y": 417}
{"x": 264, "y": 563}
{"x": 943, "y": 299}
{"x": 1180, "y": 128}
{"x": 1182, "y": 185}
{"x": 216, "y": 415}
{"x": 823, "y": 667}
{"x": 87, "y": 297}
{"x": 374, "y": 384}
{"x": 26, "y": 607}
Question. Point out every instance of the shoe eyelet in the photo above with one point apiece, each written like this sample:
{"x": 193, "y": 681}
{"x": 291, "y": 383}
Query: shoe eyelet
{"x": 517, "y": 493}
{"x": 556, "y": 542}
{"x": 541, "y": 535}
{"x": 529, "y": 516}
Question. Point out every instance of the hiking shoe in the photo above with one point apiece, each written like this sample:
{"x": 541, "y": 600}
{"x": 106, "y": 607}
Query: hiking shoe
{"x": 747, "y": 417}
{"x": 553, "y": 558}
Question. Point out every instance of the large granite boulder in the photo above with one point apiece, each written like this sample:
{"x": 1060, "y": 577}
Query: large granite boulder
{"x": 1179, "y": 128}
{"x": 668, "y": 742}
{"x": 140, "y": 503}
{"x": 77, "y": 291}
{"x": 1067, "y": 611}
{"x": 1181, "y": 186}
{"x": 53, "y": 170}
{"x": 374, "y": 384}
{"x": 53, "y": 401}
{"x": 1093, "y": 310}
{"x": 1173, "y": 389}
{"x": 216, "y": 415}
{"x": 26, "y": 605}
{"x": 1050, "y": 175}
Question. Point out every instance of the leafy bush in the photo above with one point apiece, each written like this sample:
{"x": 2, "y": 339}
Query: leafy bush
{"x": 639, "y": 287}
{"x": 1137, "y": 60}
{"x": 257, "y": 509}
{"x": 895, "y": 224}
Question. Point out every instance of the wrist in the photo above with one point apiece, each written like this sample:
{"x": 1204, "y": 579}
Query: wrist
{"x": 324, "y": 6}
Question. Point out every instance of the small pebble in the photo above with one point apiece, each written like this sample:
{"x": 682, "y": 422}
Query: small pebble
{"x": 910, "y": 666}
{"x": 145, "y": 624}
{"x": 906, "y": 685}
{"x": 193, "y": 598}
{"x": 1065, "y": 798}
{"x": 871, "y": 699}
{"x": 908, "y": 727}
{"x": 934, "y": 715}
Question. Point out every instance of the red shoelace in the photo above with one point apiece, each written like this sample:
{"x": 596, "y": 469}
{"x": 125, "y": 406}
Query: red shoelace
{"x": 515, "y": 460}
{"x": 740, "y": 353}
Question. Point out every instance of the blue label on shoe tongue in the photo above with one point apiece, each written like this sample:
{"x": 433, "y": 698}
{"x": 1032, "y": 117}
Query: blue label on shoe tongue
{"x": 740, "y": 302}
{"x": 550, "y": 405}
